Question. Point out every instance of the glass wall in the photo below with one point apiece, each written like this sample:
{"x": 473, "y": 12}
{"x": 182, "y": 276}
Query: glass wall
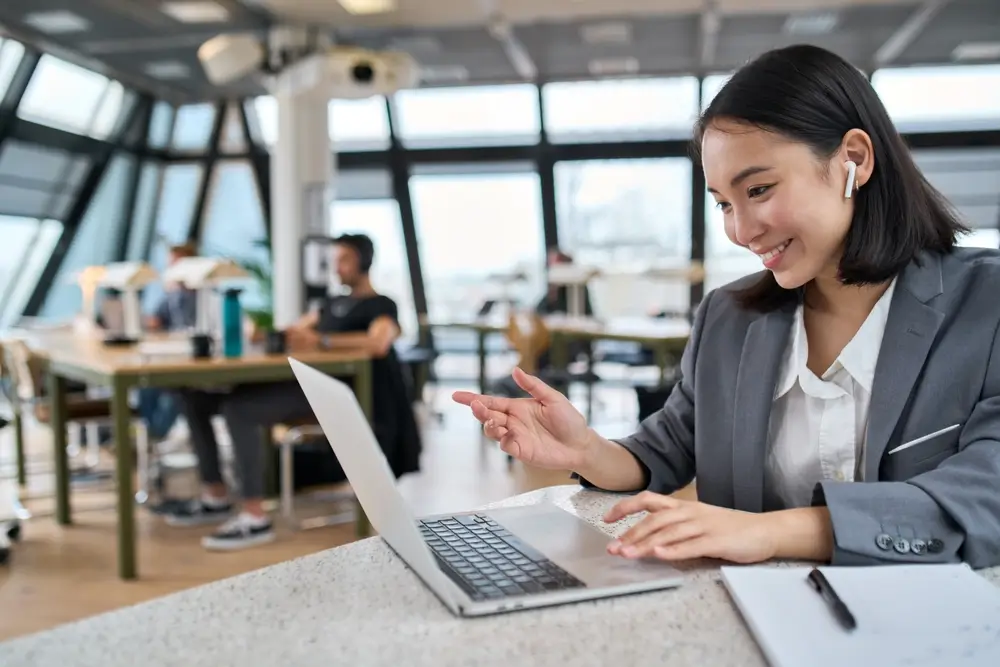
{"x": 470, "y": 116}
{"x": 233, "y": 223}
{"x": 97, "y": 240}
{"x": 479, "y": 234}
{"x": 624, "y": 217}
{"x": 174, "y": 218}
{"x": 620, "y": 109}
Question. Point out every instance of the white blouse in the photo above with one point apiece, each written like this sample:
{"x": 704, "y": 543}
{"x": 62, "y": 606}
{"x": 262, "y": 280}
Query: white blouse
{"x": 818, "y": 425}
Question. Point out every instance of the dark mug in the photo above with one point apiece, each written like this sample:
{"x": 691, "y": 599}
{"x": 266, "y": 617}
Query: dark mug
{"x": 274, "y": 342}
{"x": 201, "y": 346}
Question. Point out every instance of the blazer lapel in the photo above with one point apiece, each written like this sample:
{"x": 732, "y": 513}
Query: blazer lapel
{"x": 760, "y": 362}
{"x": 909, "y": 334}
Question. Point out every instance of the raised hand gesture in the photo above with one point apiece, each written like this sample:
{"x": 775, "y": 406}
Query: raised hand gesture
{"x": 544, "y": 430}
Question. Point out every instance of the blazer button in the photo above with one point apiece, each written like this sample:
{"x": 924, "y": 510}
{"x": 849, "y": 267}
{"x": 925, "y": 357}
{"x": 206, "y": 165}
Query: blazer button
{"x": 918, "y": 547}
{"x": 935, "y": 546}
{"x": 901, "y": 545}
{"x": 884, "y": 542}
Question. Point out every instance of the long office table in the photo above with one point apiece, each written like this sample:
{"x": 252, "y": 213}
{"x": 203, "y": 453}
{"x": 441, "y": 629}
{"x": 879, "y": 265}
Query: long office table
{"x": 67, "y": 355}
{"x": 666, "y": 338}
{"x": 360, "y": 605}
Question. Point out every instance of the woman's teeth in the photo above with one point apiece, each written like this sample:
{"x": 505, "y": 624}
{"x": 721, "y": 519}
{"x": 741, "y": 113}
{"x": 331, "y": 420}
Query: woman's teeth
{"x": 771, "y": 254}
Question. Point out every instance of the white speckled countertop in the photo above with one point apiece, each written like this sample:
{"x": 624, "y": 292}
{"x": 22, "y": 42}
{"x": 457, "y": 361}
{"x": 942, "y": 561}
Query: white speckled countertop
{"x": 359, "y": 605}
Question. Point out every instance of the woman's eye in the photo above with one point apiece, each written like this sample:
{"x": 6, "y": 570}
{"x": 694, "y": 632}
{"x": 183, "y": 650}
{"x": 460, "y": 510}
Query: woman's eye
{"x": 722, "y": 206}
{"x": 758, "y": 190}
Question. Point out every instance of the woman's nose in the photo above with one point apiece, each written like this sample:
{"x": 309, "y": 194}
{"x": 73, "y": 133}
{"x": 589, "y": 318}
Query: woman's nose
{"x": 745, "y": 227}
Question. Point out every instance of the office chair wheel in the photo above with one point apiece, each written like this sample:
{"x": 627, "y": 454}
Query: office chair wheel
{"x": 14, "y": 531}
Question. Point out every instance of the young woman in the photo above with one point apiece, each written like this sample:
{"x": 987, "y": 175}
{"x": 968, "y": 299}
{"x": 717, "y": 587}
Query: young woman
{"x": 842, "y": 405}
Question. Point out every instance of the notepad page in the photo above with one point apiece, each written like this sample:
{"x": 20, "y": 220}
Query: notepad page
{"x": 913, "y": 615}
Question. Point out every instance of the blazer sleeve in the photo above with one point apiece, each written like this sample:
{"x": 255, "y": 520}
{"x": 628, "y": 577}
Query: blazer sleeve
{"x": 954, "y": 509}
{"x": 664, "y": 442}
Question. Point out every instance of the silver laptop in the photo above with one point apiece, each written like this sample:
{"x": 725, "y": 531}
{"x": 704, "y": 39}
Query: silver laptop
{"x": 484, "y": 562}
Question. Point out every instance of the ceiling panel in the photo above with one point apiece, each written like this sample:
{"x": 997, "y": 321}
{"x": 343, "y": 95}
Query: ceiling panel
{"x": 858, "y": 34}
{"x": 959, "y": 22}
{"x": 134, "y": 41}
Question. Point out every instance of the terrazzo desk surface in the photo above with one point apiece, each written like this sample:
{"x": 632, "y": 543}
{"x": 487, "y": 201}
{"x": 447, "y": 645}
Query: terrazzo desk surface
{"x": 359, "y": 605}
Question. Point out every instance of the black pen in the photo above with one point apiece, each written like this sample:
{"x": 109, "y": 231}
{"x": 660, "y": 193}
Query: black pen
{"x": 819, "y": 582}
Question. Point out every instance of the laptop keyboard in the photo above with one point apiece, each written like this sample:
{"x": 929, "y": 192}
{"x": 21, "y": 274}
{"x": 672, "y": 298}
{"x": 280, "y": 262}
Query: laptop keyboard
{"x": 488, "y": 561}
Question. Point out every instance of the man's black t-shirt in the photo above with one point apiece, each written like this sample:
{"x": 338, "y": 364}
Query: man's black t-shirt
{"x": 392, "y": 405}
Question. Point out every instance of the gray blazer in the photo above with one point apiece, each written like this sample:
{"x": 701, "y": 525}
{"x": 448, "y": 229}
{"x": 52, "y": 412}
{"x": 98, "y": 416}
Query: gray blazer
{"x": 939, "y": 365}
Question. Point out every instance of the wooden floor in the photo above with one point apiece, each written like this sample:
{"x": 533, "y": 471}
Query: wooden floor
{"x": 61, "y": 574}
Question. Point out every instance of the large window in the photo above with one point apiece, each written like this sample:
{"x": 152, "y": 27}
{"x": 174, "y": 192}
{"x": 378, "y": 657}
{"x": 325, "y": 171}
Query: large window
{"x": 178, "y": 196}
{"x": 724, "y": 260}
{"x": 10, "y": 55}
{"x": 72, "y": 98}
{"x": 38, "y": 182}
{"x": 379, "y": 219}
{"x": 620, "y": 215}
{"x": 970, "y": 179}
{"x": 620, "y": 109}
{"x": 161, "y": 125}
{"x": 141, "y": 229}
{"x": 474, "y": 230}
{"x": 27, "y": 246}
{"x": 467, "y": 116}
{"x": 233, "y": 225}
{"x": 96, "y": 242}
{"x": 28, "y": 269}
{"x": 193, "y": 127}
{"x": 354, "y": 125}
{"x": 941, "y": 98}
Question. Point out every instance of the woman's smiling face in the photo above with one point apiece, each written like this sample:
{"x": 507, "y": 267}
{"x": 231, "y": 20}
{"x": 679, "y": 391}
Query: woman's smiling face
{"x": 779, "y": 200}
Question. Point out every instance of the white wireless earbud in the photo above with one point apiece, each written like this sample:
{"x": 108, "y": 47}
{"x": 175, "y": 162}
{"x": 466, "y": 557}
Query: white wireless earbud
{"x": 851, "y": 171}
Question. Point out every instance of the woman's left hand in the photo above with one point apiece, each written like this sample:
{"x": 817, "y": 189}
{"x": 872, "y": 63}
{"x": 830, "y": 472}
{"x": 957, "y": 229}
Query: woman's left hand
{"x": 682, "y": 529}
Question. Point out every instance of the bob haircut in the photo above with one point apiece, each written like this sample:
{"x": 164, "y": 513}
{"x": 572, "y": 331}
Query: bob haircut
{"x": 812, "y": 96}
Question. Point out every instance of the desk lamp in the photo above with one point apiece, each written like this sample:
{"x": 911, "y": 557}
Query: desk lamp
{"x": 204, "y": 275}
{"x": 575, "y": 277}
{"x": 127, "y": 278}
{"x": 88, "y": 280}
{"x": 507, "y": 282}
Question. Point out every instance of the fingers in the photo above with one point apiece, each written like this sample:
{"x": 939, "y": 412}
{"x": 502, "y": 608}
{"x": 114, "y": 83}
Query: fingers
{"x": 647, "y": 501}
{"x": 653, "y": 523}
{"x": 698, "y": 547}
{"x": 498, "y": 403}
{"x": 494, "y": 432}
{"x": 484, "y": 414}
{"x": 538, "y": 389}
{"x": 668, "y": 537}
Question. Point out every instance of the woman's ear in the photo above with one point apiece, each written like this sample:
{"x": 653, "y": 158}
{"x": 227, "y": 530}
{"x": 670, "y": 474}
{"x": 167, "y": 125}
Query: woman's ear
{"x": 857, "y": 147}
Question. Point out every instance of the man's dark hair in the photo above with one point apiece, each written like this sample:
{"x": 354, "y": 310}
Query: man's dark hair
{"x": 362, "y": 245}
{"x": 813, "y": 96}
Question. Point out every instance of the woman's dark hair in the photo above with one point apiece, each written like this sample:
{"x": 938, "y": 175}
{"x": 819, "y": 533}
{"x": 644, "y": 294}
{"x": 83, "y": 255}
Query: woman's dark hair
{"x": 813, "y": 96}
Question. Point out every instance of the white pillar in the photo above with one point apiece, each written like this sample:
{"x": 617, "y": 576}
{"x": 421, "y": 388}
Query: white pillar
{"x": 301, "y": 179}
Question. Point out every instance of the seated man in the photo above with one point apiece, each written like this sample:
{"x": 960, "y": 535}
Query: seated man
{"x": 175, "y": 312}
{"x": 362, "y": 319}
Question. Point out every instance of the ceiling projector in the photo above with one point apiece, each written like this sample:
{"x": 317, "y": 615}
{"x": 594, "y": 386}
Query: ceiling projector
{"x": 338, "y": 71}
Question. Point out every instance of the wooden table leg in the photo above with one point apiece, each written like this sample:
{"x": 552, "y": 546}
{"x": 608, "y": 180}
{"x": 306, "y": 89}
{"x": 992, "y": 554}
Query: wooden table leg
{"x": 481, "y": 349}
{"x": 18, "y": 426}
{"x": 121, "y": 416}
{"x": 57, "y": 421}
{"x": 363, "y": 390}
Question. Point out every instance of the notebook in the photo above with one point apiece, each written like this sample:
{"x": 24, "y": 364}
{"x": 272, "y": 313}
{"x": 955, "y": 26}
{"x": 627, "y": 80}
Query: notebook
{"x": 913, "y": 615}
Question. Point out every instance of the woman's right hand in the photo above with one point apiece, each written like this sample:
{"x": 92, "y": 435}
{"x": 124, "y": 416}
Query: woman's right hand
{"x": 544, "y": 430}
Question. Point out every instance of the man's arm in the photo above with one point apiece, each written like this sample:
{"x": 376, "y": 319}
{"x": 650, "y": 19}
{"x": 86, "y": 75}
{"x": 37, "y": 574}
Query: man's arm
{"x": 307, "y": 322}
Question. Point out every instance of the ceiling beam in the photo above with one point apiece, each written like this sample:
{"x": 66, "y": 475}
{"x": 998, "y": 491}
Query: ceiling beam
{"x": 909, "y": 31}
{"x": 501, "y": 30}
{"x": 711, "y": 21}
